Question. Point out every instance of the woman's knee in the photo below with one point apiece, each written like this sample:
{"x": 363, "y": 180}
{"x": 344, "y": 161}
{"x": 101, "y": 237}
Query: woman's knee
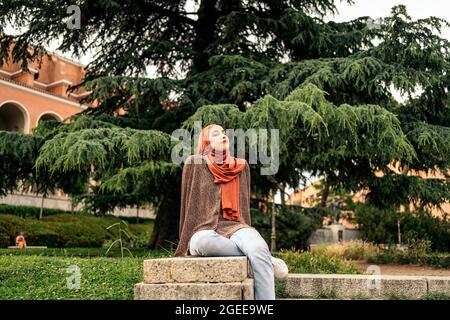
{"x": 259, "y": 247}
{"x": 254, "y": 243}
{"x": 200, "y": 242}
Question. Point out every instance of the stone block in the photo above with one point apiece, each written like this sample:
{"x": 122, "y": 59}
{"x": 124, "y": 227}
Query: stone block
{"x": 349, "y": 286}
{"x": 195, "y": 270}
{"x": 195, "y": 291}
{"x": 440, "y": 285}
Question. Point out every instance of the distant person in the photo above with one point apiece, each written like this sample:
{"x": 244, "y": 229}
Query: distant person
{"x": 20, "y": 241}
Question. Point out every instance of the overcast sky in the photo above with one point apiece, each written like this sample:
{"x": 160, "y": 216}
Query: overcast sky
{"x": 381, "y": 8}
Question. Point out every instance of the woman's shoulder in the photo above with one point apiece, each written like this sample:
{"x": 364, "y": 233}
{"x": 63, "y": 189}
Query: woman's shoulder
{"x": 195, "y": 159}
{"x": 243, "y": 162}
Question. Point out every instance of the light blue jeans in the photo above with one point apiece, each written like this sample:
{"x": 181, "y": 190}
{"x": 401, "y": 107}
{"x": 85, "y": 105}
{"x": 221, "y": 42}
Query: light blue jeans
{"x": 245, "y": 241}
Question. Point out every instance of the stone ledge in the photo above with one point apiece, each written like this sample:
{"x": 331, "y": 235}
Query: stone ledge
{"x": 439, "y": 285}
{"x": 195, "y": 291}
{"x": 198, "y": 269}
{"x": 348, "y": 286}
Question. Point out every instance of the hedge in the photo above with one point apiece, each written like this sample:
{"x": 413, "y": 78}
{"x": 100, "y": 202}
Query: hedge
{"x": 28, "y": 212}
{"x": 67, "y": 231}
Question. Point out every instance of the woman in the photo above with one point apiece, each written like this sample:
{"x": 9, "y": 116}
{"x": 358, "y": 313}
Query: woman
{"x": 215, "y": 211}
{"x": 20, "y": 241}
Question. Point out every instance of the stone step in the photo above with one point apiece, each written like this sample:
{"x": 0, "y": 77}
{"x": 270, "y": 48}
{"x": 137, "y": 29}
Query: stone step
{"x": 198, "y": 269}
{"x": 195, "y": 291}
{"x": 363, "y": 286}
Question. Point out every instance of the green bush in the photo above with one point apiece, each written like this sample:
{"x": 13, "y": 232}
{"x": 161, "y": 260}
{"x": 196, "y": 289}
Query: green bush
{"x": 316, "y": 261}
{"x": 376, "y": 225}
{"x": 417, "y": 253}
{"x": 380, "y": 226}
{"x": 293, "y": 228}
{"x": 27, "y": 211}
{"x": 67, "y": 231}
{"x": 425, "y": 226}
{"x": 349, "y": 250}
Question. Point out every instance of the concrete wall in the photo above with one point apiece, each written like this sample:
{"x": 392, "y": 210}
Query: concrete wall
{"x": 330, "y": 234}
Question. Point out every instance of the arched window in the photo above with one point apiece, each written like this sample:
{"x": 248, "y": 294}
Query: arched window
{"x": 49, "y": 116}
{"x": 13, "y": 117}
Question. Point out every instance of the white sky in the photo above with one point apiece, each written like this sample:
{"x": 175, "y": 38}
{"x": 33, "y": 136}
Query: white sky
{"x": 381, "y": 8}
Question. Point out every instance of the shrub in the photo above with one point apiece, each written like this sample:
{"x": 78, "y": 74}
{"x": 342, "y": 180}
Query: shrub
{"x": 10, "y": 226}
{"x": 351, "y": 250}
{"x": 317, "y": 261}
{"x": 66, "y": 230}
{"x": 27, "y": 211}
{"x": 376, "y": 225}
{"x": 424, "y": 226}
{"x": 293, "y": 228}
{"x": 380, "y": 226}
{"x": 416, "y": 253}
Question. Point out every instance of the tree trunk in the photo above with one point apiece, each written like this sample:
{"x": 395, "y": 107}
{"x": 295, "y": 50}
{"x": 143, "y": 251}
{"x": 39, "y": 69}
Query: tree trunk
{"x": 283, "y": 193}
{"x": 137, "y": 214}
{"x": 204, "y": 31}
{"x": 41, "y": 212}
{"x": 404, "y": 171}
{"x": 325, "y": 193}
{"x": 205, "y": 28}
{"x": 273, "y": 245}
{"x": 165, "y": 231}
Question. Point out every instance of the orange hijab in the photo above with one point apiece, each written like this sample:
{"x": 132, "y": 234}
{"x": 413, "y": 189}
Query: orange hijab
{"x": 226, "y": 170}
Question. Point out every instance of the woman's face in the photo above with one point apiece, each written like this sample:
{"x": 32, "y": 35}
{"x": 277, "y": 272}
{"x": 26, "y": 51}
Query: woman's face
{"x": 218, "y": 139}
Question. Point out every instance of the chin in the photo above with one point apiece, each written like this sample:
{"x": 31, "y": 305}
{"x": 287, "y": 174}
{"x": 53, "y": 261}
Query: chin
{"x": 220, "y": 149}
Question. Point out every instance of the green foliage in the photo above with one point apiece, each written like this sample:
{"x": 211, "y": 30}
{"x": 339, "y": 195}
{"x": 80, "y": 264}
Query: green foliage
{"x": 380, "y": 226}
{"x": 424, "y": 226}
{"x": 64, "y": 231}
{"x": 350, "y": 250}
{"x": 436, "y": 296}
{"x": 316, "y": 262}
{"x": 28, "y": 212}
{"x": 376, "y": 225}
{"x": 18, "y": 153}
{"x": 293, "y": 228}
{"x": 123, "y": 234}
{"x": 412, "y": 255}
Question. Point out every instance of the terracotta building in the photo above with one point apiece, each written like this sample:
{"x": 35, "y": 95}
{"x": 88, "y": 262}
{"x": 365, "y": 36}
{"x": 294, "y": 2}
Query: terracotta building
{"x": 39, "y": 93}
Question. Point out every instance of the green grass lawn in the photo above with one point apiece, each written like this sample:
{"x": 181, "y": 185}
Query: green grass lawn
{"x": 29, "y": 274}
{"x": 43, "y": 273}
{"x": 40, "y": 277}
{"x": 85, "y": 252}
